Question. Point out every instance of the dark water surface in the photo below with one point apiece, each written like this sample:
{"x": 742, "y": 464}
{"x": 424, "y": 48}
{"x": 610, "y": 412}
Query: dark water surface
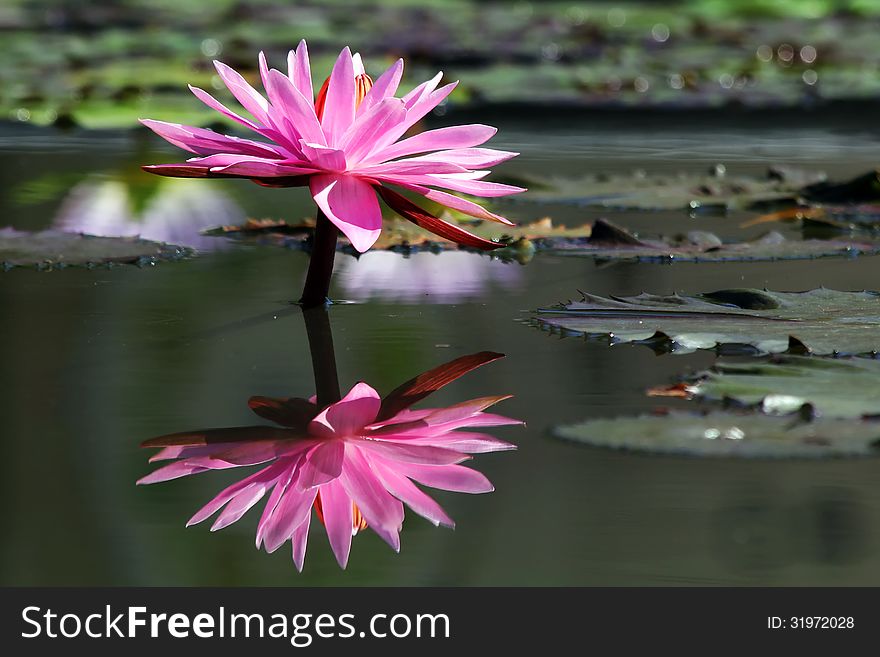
{"x": 96, "y": 361}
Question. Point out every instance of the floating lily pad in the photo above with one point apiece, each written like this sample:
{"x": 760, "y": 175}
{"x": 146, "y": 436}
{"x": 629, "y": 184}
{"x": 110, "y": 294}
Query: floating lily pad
{"x": 711, "y": 192}
{"x": 841, "y": 388}
{"x": 819, "y": 218}
{"x": 601, "y": 240}
{"x": 848, "y": 205}
{"x": 729, "y": 435}
{"x": 820, "y": 321}
{"x": 400, "y": 235}
{"x": 56, "y": 250}
{"x": 610, "y": 242}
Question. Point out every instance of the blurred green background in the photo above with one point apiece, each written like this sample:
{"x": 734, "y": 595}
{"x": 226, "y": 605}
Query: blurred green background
{"x": 103, "y": 64}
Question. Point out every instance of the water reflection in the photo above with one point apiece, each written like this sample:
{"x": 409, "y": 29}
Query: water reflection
{"x": 446, "y": 277}
{"x": 764, "y": 531}
{"x": 171, "y": 211}
{"x": 355, "y": 460}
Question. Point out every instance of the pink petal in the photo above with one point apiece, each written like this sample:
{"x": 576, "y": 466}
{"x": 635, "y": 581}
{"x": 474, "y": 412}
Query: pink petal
{"x": 448, "y": 477}
{"x": 244, "y": 93}
{"x": 391, "y": 170}
{"x": 221, "y": 499}
{"x": 278, "y": 491}
{"x": 457, "y": 136}
{"x": 462, "y": 184}
{"x": 471, "y": 158}
{"x": 322, "y": 465}
{"x": 178, "y": 469}
{"x": 264, "y": 75}
{"x": 407, "y": 452}
{"x": 351, "y": 205}
{"x": 457, "y": 203}
{"x": 423, "y": 106}
{"x": 407, "y": 415}
{"x": 299, "y": 71}
{"x": 339, "y": 106}
{"x": 370, "y": 126}
{"x": 266, "y": 475}
{"x": 480, "y": 420}
{"x": 217, "y": 106}
{"x": 253, "y": 168}
{"x": 254, "y": 453}
{"x": 297, "y": 109}
{"x": 384, "y": 87}
{"x": 463, "y": 410}
{"x": 422, "y": 90}
{"x": 465, "y": 441}
{"x": 382, "y": 511}
{"x": 324, "y": 157}
{"x": 409, "y": 210}
{"x": 407, "y": 492}
{"x": 239, "y": 505}
{"x": 300, "y": 540}
{"x": 208, "y": 142}
{"x": 337, "y": 511}
{"x": 417, "y": 106}
{"x": 349, "y": 415}
{"x": 291, "y": 512}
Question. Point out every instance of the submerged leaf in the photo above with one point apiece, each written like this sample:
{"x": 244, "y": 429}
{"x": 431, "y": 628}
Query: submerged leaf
{"x": 56, "y": 250}
{"x": 844, "y": 388}
{"x": 729, "y": 435}
{"x": 820, "y": 321}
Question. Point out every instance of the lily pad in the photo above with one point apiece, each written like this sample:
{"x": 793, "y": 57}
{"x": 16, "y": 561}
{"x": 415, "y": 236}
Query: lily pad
{"x": 847, "y": 206}
{"x": 840, "y": 388}
{"x": 820, "y": 218}
{"x": 727, "y": 434}
{"x": 601, "y": 240}
{"x": 714, "y": 191}
{"x": 610, "y": 242}
{"x": 55, "y": 250}
{"x": 819, "y": 321}
{"x": 400, "y": 235}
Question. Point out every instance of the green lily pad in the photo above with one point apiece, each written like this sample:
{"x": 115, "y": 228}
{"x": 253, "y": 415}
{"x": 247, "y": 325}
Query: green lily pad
{"x": 602, "y": 240}
{"x": 612, "y": 243}
{"x": 710, "y": 192}
{"x": 841, "y": 388}
{"x": 404, "y": 236}
{"x": 819, "y": 321}
{"x": 56, "y": 250}
{"x": 724, "y": 434}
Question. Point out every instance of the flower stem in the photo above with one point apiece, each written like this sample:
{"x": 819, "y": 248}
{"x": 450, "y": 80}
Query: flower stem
{"x": 317, "y": 284}
{"x": 323, "y": 357}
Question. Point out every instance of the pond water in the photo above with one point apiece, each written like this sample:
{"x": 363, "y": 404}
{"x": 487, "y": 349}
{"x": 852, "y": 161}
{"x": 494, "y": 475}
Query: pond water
{"x": 96, "y": 361}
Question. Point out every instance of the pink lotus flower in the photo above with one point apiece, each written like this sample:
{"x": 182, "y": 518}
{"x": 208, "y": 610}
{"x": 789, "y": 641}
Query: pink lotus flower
{"x": 354, "y": 461}
{"x": 347, "y": 147}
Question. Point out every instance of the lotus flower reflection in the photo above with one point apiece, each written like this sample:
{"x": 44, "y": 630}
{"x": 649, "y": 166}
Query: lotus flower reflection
{"x": 355, "y": 462}
{"x": 346, "y": 146}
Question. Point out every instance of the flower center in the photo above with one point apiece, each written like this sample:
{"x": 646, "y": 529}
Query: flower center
{"x": 358, "y": 522}
{"x": 362, "y": 82}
